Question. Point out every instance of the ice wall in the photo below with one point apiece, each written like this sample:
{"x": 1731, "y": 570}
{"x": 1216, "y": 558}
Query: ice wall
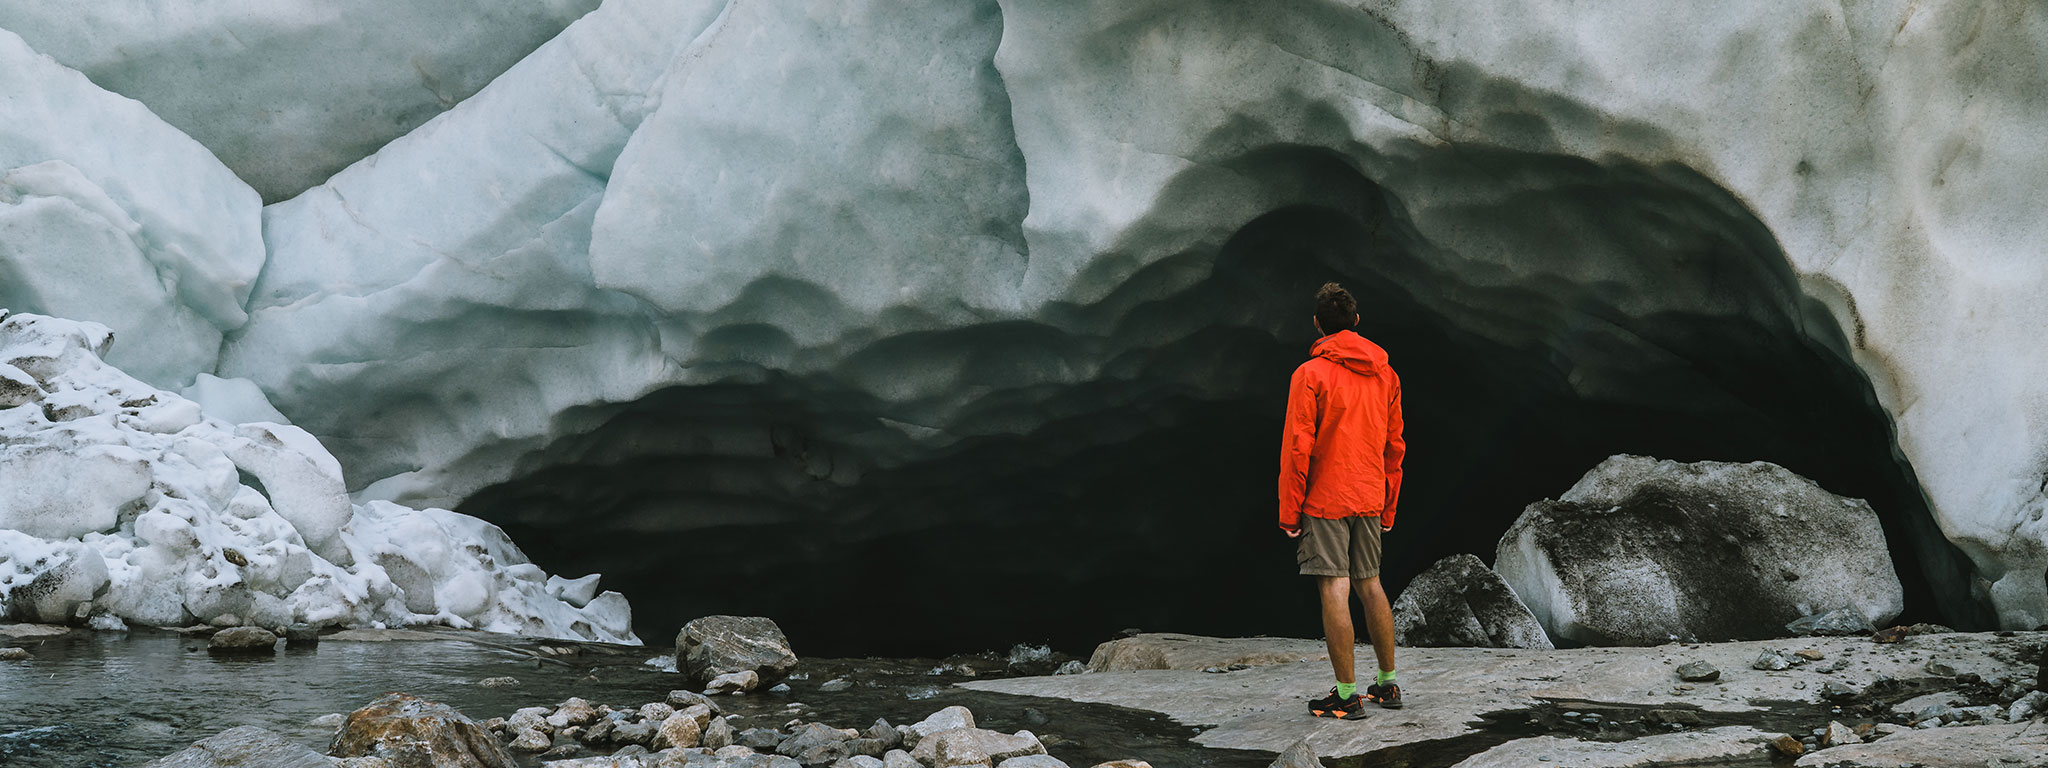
{"x": 286, "y": 92}
{"x": 851, "y": 248}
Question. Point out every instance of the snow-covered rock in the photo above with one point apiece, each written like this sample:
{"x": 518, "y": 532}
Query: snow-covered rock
{"x": 287, "y": 92}
{"x": 1644, "y": 552}
{"x": 111, "y": 215}
{"x": 128, "y": 498}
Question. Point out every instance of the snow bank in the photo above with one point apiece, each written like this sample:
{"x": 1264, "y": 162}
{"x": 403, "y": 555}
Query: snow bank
{"x": 118, "y": 499}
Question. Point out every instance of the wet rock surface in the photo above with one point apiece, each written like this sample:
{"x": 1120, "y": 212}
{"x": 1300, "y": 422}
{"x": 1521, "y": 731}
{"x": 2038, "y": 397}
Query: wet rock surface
{"x": 245, "y": 747}
{"x": 715, "y": 646}
{"x": 410, "y": 732}
{"x": 1461, "y": 602}
{"x": 1586, "y": 706}
{"x": 1176, "y": 651}
{"x": 1642, "y": 551}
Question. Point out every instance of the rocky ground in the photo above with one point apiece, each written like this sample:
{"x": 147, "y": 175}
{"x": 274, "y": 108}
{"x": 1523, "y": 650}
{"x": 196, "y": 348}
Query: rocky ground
{"x": 1928, "y": 699}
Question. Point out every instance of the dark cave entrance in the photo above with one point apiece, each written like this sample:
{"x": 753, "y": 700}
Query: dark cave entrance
{"x": 1113, "y": 463}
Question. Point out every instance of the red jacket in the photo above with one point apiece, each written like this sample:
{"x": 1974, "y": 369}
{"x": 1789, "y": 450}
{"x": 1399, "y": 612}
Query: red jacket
{"x": 1340, "y": 455}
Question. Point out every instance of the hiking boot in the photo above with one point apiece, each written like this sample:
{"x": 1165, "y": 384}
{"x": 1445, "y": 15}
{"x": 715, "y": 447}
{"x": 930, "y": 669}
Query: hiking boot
{"x": 1343, "y": 709}
{"x": 1388, "y": 696}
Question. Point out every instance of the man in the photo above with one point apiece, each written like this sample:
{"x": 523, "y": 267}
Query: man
{"x": 1340, "y": 476}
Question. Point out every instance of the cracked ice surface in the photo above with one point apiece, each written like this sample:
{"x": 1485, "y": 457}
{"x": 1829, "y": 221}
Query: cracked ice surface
{"x": 286, "y": 92}
{"x": 118, "y": 499}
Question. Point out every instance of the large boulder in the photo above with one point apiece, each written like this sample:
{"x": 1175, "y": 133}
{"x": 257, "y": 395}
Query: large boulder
{"x": 1642, "y": 552}
{"x": 244, "y": 747}
{"x": 721, "y": 645}
{"x": 411, "y": 732}
{"x": 1461, "y": 602}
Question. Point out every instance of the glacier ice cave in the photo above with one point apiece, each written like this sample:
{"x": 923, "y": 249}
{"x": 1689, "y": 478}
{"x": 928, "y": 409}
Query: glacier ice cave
{"x": 934, "y": 325}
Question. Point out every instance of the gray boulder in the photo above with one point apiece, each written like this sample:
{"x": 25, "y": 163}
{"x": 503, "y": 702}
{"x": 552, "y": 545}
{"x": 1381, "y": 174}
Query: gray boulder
{"x": 1841, "y": 622}
{"x": 244, "y": 747}
{"x": 242, "y": 640}
{"x": 1643, "y": 552}
{"x": 1298, "y": 756}
{"x": 718, "y": 645}
{"x": 1461, "y": 602}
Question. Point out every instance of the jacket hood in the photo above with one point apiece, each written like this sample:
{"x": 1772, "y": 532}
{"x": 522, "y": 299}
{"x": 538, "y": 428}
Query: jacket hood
{"x": 1352, "y": 351}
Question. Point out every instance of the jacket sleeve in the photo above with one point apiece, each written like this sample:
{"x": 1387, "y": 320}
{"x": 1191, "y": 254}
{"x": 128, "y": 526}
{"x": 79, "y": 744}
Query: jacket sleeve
{"x": 1297, "y": 443}
{"x": 1397, "y": 449}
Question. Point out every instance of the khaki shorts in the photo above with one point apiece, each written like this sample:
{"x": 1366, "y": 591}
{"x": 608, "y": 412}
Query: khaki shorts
{"x": 1344, "y": 547}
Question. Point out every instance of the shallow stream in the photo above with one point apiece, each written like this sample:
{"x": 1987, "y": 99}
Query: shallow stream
{"x": 115, "y": 700}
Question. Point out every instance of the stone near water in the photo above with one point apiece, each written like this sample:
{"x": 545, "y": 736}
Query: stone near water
{"x": 1698, "y": 672}
{"x": 244, "y": 747}
{"x": 761, "y": 739}
{"x": 714, "y": 646}
{"x": 860, "y": 761}
{"x": 832, "y": 686}
{"x": 1642, "y": 552}
{"x": 240, "y": 640}
{"x": 884, "y": 732}
{"x": 680, "y": 730}
{"x": 732, "y": 682}
{"x": 717, "y": 734}
{"x": 411, "y": 732}
{"x": 1838, "y": 734}
{"x": 531, "y": 740}
{"x": 301, "y": 636}
{"x": 960, "y": 746}
{"x": 897, "y": 758}
{"x": 498, "y": 682}
{"x": 1033, "y": 761}
{"x": 1773, "y": 659}
{"x": 1788, "y": 746}
{"x": 1297, "y": 756}
{"x": 1124, "y": 764}
{"x": 1841, "y": 622}
{"x": 946, "y": 719}
{"x": 681, "y": 699}
{"x": 1460, "y": 602}
{"x": 1071, "y": 667}
{"x": 14, "y": 654}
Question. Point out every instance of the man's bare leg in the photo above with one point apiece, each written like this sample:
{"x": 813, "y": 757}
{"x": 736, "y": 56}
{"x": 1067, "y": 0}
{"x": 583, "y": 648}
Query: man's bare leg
{"x": 1337, "y": 623}
{"x": 1379, "y": 620}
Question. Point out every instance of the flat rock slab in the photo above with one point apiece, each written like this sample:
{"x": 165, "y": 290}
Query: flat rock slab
{"x": 1447, "y": 689}
{"x": 1171, "y": 651}
{"x": 22, "y": 631}
{"x": 1731, "y": 746}
{"x": 244, "y": 747}
{"x": 2019, "y": 745}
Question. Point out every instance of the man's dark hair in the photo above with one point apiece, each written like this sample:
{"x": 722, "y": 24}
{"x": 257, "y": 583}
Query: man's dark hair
{"x": 1335, "y": 309}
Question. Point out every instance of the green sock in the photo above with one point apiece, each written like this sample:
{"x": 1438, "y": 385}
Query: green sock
{"x": 1386, "y": 676}
{"x": 1347, "y": 690}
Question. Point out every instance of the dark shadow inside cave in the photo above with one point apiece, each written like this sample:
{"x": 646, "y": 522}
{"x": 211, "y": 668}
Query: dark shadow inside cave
{"x": 1112, "y": 465}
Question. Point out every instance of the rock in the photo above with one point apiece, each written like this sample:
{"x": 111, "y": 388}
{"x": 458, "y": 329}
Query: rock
{"x": 1640, "y": 552}
{"x": 244, "y": 747}
{"x": 1838, "y": 734}
{"x": 1037, "y": 761}
{"x": 498, "y": 682}
{"x": 1810, "y": 654}
{"x": 681, "y": 730}
{"x": 416, "y": 733}
{"x": 1788, "y": 746}
{"x": 1698, "y": 672}
{"x": 14, "y": 654}
{"x": 306, "y": 636}
{"x": 640, "y": 733}
{"x": 658, "y": 711}
{"x": 815, "y": 744}
{"x": 1838, "y": 622}
{"x": 897, "y": 758}
{"x": 1072, "y": 667}
{"x": 761, "y": 739}
{"x": 973, "y": 746}
{"x": 859, "y": 761}
{"x": 1773, "y": 659}
{"x": 833, "y": 686}
{"x": 946, "y": 719}
{"x": 1460, "y": 602}
{"x": 1124, "y": 764}
{"x": 732, "y": 682}
{"x": 1839, "y": 690}
{"x": 1298, "y": 756}
{"x": 573, "y": 711}
{"x": 865, "y": 746}
{"x": 2034, "y": 703}
{"x": 1174, "y": 651}
{"x": 1939, "y": 668}
{"x": 531, "y": 740}
{"x": 719, "y": 735}
{"x": 884, "y": 732}
{"x": 242, "y": 640}
{"x": 715, "y": 646}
